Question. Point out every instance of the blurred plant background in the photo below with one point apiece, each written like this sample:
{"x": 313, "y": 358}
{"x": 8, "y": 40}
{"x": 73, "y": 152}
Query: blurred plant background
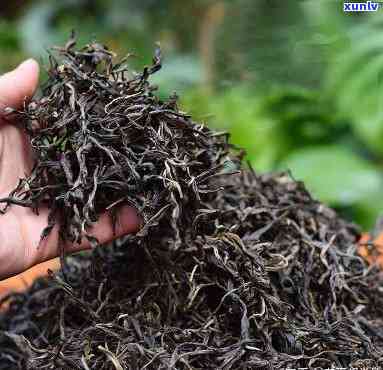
{"x": 297, "y": 83}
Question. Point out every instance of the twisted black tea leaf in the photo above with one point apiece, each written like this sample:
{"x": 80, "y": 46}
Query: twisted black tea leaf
{"x": 230, "y": 271}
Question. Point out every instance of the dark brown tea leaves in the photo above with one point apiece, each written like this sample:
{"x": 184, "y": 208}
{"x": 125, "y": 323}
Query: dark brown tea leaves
{"x": 103, "y": 139}
{"x": 230, "y": 270}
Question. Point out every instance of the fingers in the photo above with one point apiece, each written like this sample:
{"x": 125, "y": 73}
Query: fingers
{"x": 18, "y": 85}
{"x": 20, "y": 233}
{"x": 128, "y": 222}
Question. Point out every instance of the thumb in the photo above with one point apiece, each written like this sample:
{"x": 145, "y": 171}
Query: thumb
{"x": 18, "y": 85}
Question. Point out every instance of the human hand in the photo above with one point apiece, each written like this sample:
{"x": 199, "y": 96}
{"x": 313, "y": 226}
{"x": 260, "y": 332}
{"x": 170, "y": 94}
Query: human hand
{"x": 20, "y": 227}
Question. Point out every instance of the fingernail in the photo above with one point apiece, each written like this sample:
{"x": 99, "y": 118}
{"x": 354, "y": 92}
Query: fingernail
{"x": 26, "y": 64}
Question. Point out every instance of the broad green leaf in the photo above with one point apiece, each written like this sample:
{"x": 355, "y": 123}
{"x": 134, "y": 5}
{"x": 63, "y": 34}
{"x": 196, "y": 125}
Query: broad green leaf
{"x": 335, "y": 175}
{"x": 355, "y": 81}
{"x": 366, "y": 212}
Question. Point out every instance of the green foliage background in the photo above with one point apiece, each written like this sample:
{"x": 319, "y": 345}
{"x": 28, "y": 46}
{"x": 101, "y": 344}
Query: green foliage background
{"x": 297, "y": 83}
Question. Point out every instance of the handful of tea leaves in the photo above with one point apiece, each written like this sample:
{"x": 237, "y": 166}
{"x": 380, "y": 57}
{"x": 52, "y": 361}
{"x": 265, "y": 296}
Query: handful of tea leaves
{"x": 102, "y": 139}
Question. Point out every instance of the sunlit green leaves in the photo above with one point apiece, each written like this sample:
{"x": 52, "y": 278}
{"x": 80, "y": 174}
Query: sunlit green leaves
{"x": 334, "y": 174}
{"x": 337, "y": 176}
{"x": 355, "y": 80}
{"x": 239, "y": 112}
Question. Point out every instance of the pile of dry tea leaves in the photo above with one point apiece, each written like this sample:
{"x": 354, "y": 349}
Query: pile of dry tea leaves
{"x": 230, "y": 270}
